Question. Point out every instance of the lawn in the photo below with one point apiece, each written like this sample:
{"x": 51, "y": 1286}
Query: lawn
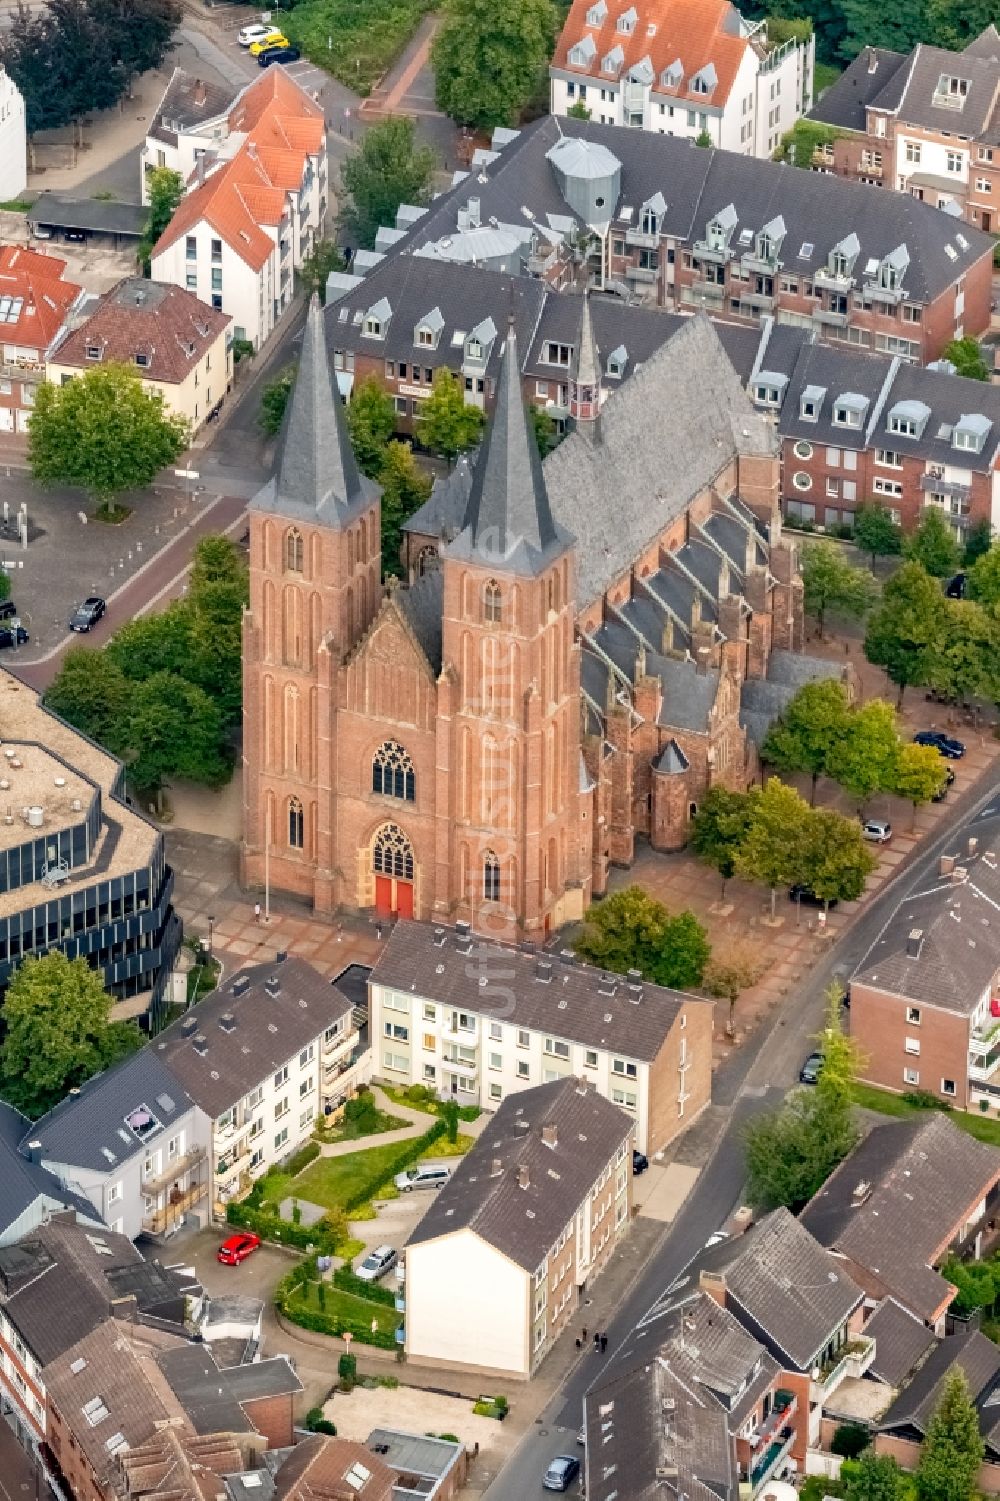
{"x": 982, "y": 1127}
{"x": 371, "y": 1125}
{"x": 331, "y": 1181}
{"x": 426, "y": 1103}
{"x": 446, "y": 1148}
{"x": 347, "y": 1311}
{"x": 355, "y": 40}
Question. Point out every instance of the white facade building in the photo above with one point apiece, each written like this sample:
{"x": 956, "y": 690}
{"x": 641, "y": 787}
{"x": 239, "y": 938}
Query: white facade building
{"x": 13, "y": 140}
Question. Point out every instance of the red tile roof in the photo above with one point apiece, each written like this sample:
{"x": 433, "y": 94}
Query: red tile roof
{"x": 36, "y": 279}
{"x": 166, "y": 324}
{"x": 698, "y": 32}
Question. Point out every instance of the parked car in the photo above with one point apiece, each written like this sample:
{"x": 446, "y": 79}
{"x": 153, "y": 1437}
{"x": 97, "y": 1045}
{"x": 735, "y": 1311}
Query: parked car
{"x": 946, "y": 744}
{"x": 8, "y": 609}
{"x": 640, "y": 1162}
{"x": 274, "y": 39}
{"x": 808, "y": 897}
{"x": 809, "y": 1072}
{"x": 955, "y": 587}
{"x": 376, "y": 1264}
{"x": 237, "y": 1248}
{"x": 949, "y": 781}
{"x": 86, "y": 616}
{"x": 279, "y": 55}
{"x": 878, "y": 830}
{"x": 12, "y": 636}
{"x": 561, "y": 1473}
{"x": 247, "y": 35}
{"x": 422, "y": 1175}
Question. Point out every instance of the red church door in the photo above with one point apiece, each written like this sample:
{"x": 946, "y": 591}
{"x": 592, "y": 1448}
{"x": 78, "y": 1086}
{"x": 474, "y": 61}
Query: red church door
{"x": 392, "y": 862}
{"x": 404, "y": 898}
{"x": 383, "y": 896}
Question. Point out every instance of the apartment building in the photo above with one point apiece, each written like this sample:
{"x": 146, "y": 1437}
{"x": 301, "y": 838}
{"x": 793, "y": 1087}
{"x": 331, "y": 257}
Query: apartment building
{"x": 925, "y": 123}
{"x": 13, "y": 140}
{"x": 29, "y": 1193}
{"x": 499, "y": 1264}
{"x": 481, "y": 1022}
{"x": 255, "y": 205}
{"x": 683, "y": 68}
{"x": 35, "y": 302}
{"x": 911, "y": 1192}
{"x": 191, "y": 123}
{"x": 178, "y": 346}
{"x": 901, "y": 1430}
{"x": 925, "y": 999}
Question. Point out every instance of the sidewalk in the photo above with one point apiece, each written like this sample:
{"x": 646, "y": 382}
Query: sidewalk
{"x": 420, "y": 1121}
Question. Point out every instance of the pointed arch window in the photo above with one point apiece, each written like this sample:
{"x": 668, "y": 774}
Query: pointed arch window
{"x": 492, "y": 603}
{"x": 294, "y": 551}
{"x": 491, "y": 877}
{"x": 296, "y": 824}
{"x": 392, "y": 853}
{"x": 392, "y": 772}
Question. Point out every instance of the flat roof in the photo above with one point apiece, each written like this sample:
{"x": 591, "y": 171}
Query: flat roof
{"x": 98, "y": 215}
{"x": 34, "y": 783}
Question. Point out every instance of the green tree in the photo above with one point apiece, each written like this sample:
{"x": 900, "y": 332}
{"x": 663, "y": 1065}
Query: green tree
{"x": 166, "y": 189}
{"x": 371, "y": 420}
{"x": 933, "y": 544}
{"x": 875, "y": 532}
{"x": 389, "y": 168}
{"x": 91, "y": 692}
{"x": 488, "y": 60}
{"x": 967, "y": 358}
{"x": 405, "y": 487}
{"x": 978, "y": 541}
{"x": 631, "y": 930}
{"x": 731, "y": 970}
{"x": 905, "y": 631}
{"x": 802, "y": 739}
{"x": 774, "y": 849}
{"x": 875, "y": 1477}
{"x": 863, "y": 760}
{"x": 546, "y": 435}
{"x": 977, "y": 1283}
{"x": 921, "y": 772}
{"x": 448, "y": 426}
{"x": 983, "y": 579}
{"x": 322, "y": 259}
{"x": 274, "y": 400}
{"x": 838, "y": 861}
{"x": 578, "y": 110}
{"x": 175, "y": 730}
{"x": 161, "y": 642}
{"x": 449, "y": 1113}
{"x": 102, "y": 432}
{"x": 800, "y": 143}
{"x": 953, "y": 1446}
{"x": 830, "y": 582}
{"x": 218, "y": 593}
{"x": 703, "y": 139}
{"x": 57, "y": 1031}
{"x": 719, "y": 828}
{"x": 898, "y": 24}
{"x": 964, "y": 666}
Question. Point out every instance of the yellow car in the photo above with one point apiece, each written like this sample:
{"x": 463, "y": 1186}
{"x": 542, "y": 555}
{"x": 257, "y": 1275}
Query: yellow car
{"x": 256, "y": 48}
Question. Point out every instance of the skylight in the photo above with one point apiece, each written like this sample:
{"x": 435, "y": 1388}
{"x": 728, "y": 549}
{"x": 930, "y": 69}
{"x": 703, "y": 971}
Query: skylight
{"x": 142, "y": 1123}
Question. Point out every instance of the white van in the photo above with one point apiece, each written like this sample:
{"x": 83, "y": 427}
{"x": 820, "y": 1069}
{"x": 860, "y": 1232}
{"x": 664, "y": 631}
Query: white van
{"x": 422, "y": 1175}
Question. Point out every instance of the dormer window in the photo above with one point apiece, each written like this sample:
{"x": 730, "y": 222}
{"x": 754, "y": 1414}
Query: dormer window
{"x": 888, "y": 277}
{"x": 142, "y": 359}
{"x": 617, "y": 360}
{"x": 474, "y": 350}
{"x": 597, "y": 14}
{"x": 838, "y": 264}
{"x": 811, "y": 403}
{"x": 904, "y": 427}
{"x": 612, "y": 61}
{"x": 425, "y": 338}
{"x": 907, "y": 419}
{"x": 769, "y": 387}
{"x": 705, "y": 80}
{"x": 652, "y": 214}
{"x": 953, "y": 90}
{"x": 373, "y": 327}
{"x": 970, "y": 432}
{"x": 582, "y": 53}
{"x": 428, "y": 330}
{"x": 376, "y": 319}
{"x": 768, "y": 396}
{"x": 849, "y": 410}
{"x": 94, "y": 351}
{"x": 672, "y": 76}
{"x": 627, "y": 21}
{"x": 765, "y": 250}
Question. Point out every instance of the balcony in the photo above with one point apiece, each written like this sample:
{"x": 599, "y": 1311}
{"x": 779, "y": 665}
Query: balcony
{"x": 465, "y": 1066}
{"x": 705, "y": 252}
{"x": 956, "y": 491}
{"x": 827, "y": 318}
{"x": 232, "y": 1133}
{"x": 231, "y": 1166}
{"x": 762, "y": 300}
{"x": 831, "y": 282}
{"x": 890, "y": 296}
{"x": 641, "y": 273}
{"x": 174, "y": 1170}
{"x": 776, "y": 1451}
{"x": 640, "y": 239}
{"x": 852, "y": 1359}
{"x": 713, "y": 290}
{"x": 784, "y": 1409}
{"x": 173, "y": 1212}
{"x": 456, "y": 1032}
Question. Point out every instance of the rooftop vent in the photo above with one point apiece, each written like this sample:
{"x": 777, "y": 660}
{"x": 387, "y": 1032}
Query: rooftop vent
{"x": 496, "y": 1167}
{"x": 607, "y": 985}
{"x": 241, "y": 985}
{"x": 189, "y": 1025}
{"x": 914, "y": 942}
{"x": 946, "y": 865}
{"x": 273, "y": 986}
{"x": 281, "y": 956}
{"x": 543, "y": 970}
{"x": 440, "y": 938}
{"x": 973, "y": 845}
{"x": 523, "y": 1176}
{"x": 463, "y": 929}
{"x": 861, "y": 1192}
{"x": 227, "y": 1021}
{"x": 200, "y": 1043}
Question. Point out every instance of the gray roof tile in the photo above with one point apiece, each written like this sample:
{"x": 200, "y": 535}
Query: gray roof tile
{"x": 901, "y": 1342}
{"x": 845, "y": 103}
{"x": 975, "y": 1355}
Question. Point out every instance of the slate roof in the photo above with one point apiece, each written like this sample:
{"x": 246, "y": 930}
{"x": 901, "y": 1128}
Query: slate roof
{"x": 959, "y": 926}
{"x": 168, "y": 326}
{"x": 522, "y": 1222}
{"x": 921, "y": 1179}
{"x": 975, "y": 1355}
{"x": 762, "y": 700}
{"x": 795, "y": 1292}
{"x": 688, "y": 695}
{"x": 188, "y": 102}
{"x": 422, "y": 602}
{"x": 901, "y": 1342}
{"x": 442, "y": 512}
{"x": 600, "y": 1011}
{"x": 845, "y": 103}
{"x": 237, "y": 1037}
{"x": 24, "y": 1183}
{"x": 214, "y": 1398}
{"x": 316, "y": 476}
{"x": 917, "y": 104}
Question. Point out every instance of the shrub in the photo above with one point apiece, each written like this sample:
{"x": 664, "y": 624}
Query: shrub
{"x": 301, "y": 1159}
{"x": 346, "y": 1280}
{"x": 850, "y": 1440}
{"x": 326, "y": 1235}
{"x": 344, "y": 1314}
{"x": 417, "y": 1092}
{"x": 347, "y": 1367}
{"x": 922, "y": 1099}
{"x": 314, "y": 1416}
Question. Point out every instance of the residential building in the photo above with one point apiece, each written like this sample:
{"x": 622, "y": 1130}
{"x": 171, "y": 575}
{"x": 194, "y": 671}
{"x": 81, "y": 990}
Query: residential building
{"x": 435, "y": 1467}
{"x": 576, "y": 203}
{"x": 481, "y": 1021}
{"x": 13, "y": 140}
{"x": 911, "y": 1193}
{"x": 925, "y": 999}
{"x": 177, "y": 346}
{"x": 255, "y": 205}
{"x": 605, "y": 599}
{"x": 926, "y": 122}
{"x": 191, "y": 124}
{"x": 80, "y": 869}
{"x": 34, "y": 304}
{"x": 30, "y": 1193}
{"x": 902, "y": 1429}
{"x": 531, "y": 1215}
{"x": 683, "y": 68}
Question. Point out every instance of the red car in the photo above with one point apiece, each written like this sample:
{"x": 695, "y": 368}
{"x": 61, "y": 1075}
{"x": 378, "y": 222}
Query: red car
{"x": 237, "y": 1248}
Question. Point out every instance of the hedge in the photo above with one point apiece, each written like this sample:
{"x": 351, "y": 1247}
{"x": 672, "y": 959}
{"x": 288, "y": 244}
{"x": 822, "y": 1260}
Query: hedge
{"x": 270, "y": 1226}
{"x": 348, "y": 1282}
{"x": 301, "y": 1159}
{"x": 408, "y": 1152}
{"x": 342, "y": 1315}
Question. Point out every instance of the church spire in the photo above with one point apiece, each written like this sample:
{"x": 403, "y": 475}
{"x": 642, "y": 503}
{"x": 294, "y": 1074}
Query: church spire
{"x": 317, "y": 477}
{"x": 508, "y": 520}
{"x": 585, "y": 372}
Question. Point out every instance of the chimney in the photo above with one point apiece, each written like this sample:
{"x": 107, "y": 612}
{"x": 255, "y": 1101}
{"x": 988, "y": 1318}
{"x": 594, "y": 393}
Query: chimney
{"x": 543, "y": 971}
{"x": 703, "y": 660}
{"x": 634, "y": 975}
{"x": 550, "y": 1135}
{"x": 523, "y": 1176}
{"x": 200, "y": 93}
{"x": 34, "y": 1152}
{"x": 281, "y": 956}
{"x": 946, "y": 865}
{"x": 972, "y": 847}
{"x": 201, "y": 167}
{"x": 227, "y": 1022}
{"x": 914, "y": 942}
{"x": 241, "y": 985}
{"x": 252, "y": 150}
{"x": 462, "y": 928}
{"x": 474, "y": 211}
{"x": 568, "y": 956}
{"x": 496, "y": 1168}
{"x": 440, "y": 937}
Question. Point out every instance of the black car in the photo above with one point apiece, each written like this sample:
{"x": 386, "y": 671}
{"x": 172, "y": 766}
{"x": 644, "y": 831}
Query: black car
{"x": 939, "y": 797}
{"x": 946, "y": 744}
{"x": 86, "y": 616}
{"x": 8, "y": 609}
{"x": 809, "y": 1072}
{"x": 279, "y": 55}
{"x": 955, "y": 588}
{"x": 7, "y": 637}
{"x": 640, "y": 1162}
{"x": 808, "y": 897}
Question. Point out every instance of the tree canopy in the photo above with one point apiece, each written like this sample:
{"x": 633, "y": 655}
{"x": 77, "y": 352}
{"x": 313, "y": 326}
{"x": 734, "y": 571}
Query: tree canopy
{"x": 875, "y": 532}
{"x": 774, "y": 848}
{"x": 388, "y": 169}
{"x": 905, "y": 631}
{"x": 631, "y": 930}
{"x": 983, "y": 578}
{"x": 967, "y": 358}
{"x": 804, "y": 736}
{"x": 57, "y": 1031}
{"x": 447, "y": 424}
{"x": 405, "y": 487}
{"x": 166, "y": 189}
{"x": 371, "y": 419}
{"x": 322, "y": 259}
{"x": 102, "y": 432}
{"x": 863, "y": 759}
{"x": 489, "y": 59}
{"x": 965, "y": 666}
{"x": 875, "y": 1477}
{"x": 719, "y": 828}
{"x": 934, "y": 544}
{"x": 953, "y": 1447}
{"x": 830, "y": 582}
{"x": 920, "y": 773}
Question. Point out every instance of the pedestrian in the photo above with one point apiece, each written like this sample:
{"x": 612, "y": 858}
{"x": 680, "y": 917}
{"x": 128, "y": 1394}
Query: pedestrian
{"x": 604, "y": 1344}
{"x": 256, "y": 912}
{"x": 584, "y": 1334}
{"x": 597, "y": 1344}
{"x": 579, "y": 1343}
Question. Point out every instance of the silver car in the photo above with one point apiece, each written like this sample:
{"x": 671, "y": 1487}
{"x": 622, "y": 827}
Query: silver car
{"x": 376, "y": 1264}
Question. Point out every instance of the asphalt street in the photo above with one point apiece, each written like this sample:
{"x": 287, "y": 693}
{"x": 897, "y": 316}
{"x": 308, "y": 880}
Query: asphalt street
{"x": 752, "y": 1080}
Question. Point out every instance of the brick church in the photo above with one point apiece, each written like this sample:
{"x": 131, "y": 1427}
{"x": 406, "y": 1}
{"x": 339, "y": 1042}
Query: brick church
{"x": 584, "y": 647}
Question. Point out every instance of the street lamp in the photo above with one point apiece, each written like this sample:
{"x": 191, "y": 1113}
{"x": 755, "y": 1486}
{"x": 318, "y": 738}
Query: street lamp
{"x": 211, "y": 930}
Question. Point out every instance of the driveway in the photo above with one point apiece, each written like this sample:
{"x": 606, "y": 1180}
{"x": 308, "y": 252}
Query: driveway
{"x": 257, "y": 1277}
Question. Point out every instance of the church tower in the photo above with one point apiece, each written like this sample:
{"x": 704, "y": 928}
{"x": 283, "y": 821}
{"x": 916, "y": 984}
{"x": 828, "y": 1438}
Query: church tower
{"x": 508, "y": 756}
{"x": 585, "y": 375}
{"x": 315, "y": 586}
